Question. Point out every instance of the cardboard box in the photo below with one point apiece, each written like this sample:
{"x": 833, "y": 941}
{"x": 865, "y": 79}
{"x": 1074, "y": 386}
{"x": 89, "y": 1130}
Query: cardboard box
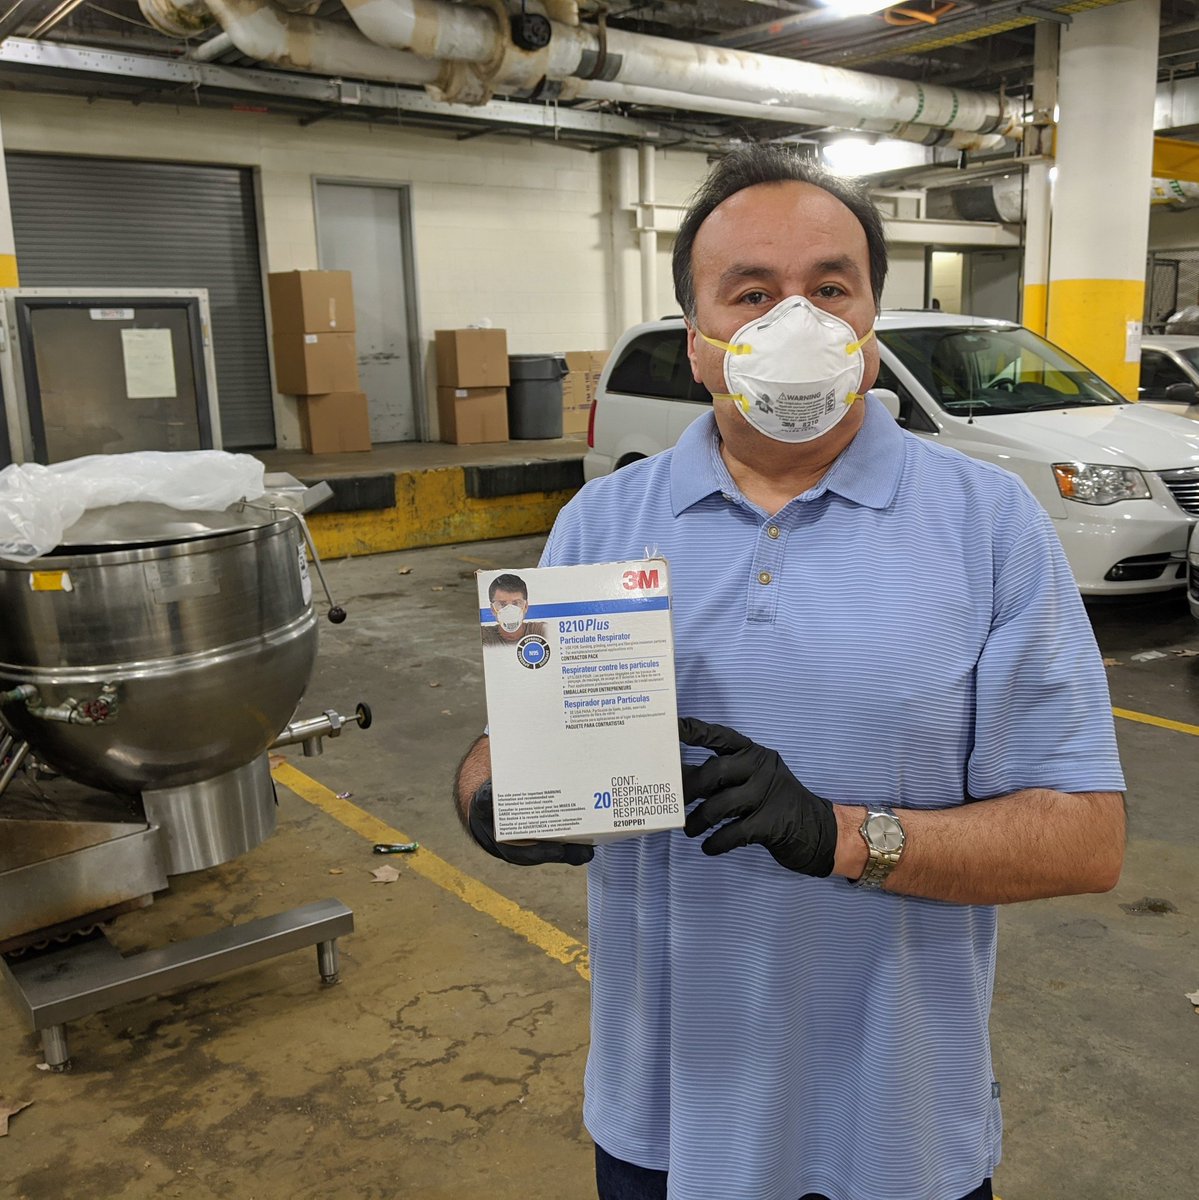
{"x": 311, "y": 364}
{"x": 578, "y": 668}
{"x": 586, "y": 360}
{"x": 311, "y": 302}
{"x": 469, "y": 415}
{"x": 576, "y": 421}
{"x": 335, "y": 422}
{"x": 579, "y": 388}
{"x": 471, "y": 358}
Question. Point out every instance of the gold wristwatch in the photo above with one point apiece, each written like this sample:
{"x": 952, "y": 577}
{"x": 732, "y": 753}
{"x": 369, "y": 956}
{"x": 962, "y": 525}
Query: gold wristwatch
{"x": 884, "y": 838}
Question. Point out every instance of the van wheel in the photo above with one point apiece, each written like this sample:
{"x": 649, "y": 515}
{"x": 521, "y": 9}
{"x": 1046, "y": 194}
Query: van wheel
{"x": 628, "y": 458}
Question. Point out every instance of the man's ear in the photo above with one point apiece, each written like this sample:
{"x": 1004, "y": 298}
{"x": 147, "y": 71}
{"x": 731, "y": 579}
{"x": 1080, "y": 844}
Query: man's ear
{"x": 692, "y": 351}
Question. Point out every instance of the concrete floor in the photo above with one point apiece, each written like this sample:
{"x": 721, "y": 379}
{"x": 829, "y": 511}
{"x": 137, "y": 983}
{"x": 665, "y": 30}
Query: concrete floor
{"x": 448, "y": 1061}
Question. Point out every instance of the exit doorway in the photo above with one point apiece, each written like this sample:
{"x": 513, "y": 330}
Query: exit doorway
{"x": 366, "y": 228}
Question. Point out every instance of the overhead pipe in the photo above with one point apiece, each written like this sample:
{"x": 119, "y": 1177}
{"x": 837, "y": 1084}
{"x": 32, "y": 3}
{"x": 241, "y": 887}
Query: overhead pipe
{"x": 262, "y": 31}
{"x": 475, "y": 35}
{"x": 178, "y": 18}
{"x": 465, "y": 52}
{"x": 213, "y": 48}
{"x": 743, "y": 75}
{"x": 458, "y": 32}
{"x": 957, "y": 139}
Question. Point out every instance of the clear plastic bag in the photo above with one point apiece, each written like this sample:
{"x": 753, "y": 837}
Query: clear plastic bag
{"x": 38, "y": 504}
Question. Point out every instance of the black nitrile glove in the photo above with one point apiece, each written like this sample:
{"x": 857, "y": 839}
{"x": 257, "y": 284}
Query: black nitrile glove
{"x": 751, "y": 788}
{"x": 534, "y": 854}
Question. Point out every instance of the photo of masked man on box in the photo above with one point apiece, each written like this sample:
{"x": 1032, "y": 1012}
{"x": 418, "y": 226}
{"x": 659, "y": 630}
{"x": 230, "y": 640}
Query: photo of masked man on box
{"x": 509, "y": 599}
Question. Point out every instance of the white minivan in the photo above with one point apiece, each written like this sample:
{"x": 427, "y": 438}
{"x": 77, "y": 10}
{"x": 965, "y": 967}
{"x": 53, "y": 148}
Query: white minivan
{"x": 1120, "y": 480}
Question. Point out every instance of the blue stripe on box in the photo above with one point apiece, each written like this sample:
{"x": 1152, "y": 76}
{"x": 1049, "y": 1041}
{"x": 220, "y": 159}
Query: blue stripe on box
{"x": 585, "y": 608}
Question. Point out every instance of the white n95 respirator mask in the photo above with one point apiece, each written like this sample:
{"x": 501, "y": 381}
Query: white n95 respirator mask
{"x": 793, "y": 372}
{"x": 511, "y": 617}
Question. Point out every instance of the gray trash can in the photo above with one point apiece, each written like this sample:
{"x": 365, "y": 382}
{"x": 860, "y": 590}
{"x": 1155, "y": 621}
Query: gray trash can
{"x": 535, "y": 395}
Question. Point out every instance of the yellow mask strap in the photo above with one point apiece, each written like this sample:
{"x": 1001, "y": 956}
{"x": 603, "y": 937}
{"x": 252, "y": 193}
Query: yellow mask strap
{"x": 728, "y": 347}
{"x": 854, "y": 347}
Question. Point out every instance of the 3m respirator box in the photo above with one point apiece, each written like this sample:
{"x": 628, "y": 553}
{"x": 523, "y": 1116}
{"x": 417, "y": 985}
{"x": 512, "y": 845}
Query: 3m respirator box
{"x": 579, "y": 670}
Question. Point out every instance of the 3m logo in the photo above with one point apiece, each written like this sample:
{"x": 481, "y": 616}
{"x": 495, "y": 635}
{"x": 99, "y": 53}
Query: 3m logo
{"x": 641, "y": 581}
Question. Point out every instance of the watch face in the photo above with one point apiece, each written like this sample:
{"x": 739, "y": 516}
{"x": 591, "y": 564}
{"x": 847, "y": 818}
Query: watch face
{"x": 884, "y": 833}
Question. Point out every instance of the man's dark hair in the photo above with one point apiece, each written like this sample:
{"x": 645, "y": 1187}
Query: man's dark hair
{"x": 507, "y": 583}
{"x": 772, "y": 164}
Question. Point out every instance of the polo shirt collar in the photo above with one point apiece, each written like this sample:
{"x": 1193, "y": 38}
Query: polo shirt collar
{"x": 867, "y": 472}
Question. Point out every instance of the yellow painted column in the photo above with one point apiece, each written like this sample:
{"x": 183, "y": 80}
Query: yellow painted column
{"x": 1107, "y": 78}
{"x": 8, "y": 245}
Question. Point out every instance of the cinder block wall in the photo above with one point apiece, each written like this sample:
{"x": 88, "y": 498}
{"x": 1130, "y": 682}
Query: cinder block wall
{"x": 526, "y": 233}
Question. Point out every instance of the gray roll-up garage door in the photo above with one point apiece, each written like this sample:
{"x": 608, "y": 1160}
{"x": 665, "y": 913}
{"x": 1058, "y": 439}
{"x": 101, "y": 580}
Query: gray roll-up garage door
{"x": 113, "y": 223}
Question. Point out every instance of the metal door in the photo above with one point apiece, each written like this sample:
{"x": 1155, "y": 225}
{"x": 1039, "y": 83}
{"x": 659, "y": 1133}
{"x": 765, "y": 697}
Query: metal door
{"x": 992, "y": 284}
{"x": 363, "y": 228}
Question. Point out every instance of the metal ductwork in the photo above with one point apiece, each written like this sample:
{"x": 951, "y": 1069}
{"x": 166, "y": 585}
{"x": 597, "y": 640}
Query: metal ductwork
{"x": 466, "y": 53}
{"x": 1004, "y": 199}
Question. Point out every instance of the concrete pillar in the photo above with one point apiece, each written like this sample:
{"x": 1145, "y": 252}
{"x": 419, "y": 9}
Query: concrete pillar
{"x": 1038, "y": 183}
{"x": 648, "y": 232}
{"x": 1106, "y": 84}
{"x": 8, "y": 244}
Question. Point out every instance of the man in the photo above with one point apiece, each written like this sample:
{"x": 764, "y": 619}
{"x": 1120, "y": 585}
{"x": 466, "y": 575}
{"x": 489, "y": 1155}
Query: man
{"x": 508, "y": 596}
{"x": 790, "y": 998}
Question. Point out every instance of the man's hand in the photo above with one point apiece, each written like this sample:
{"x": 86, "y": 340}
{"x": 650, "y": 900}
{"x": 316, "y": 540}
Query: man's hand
{"x": 751, "y": 788}
{"x": 532, "y": 854}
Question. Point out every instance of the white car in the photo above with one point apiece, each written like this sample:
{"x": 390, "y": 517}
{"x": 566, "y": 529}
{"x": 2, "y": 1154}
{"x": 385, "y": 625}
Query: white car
{"x": 1170, "y": 374}
{"x": 1120, "y": 480}
{"x": 1193, "y": 575}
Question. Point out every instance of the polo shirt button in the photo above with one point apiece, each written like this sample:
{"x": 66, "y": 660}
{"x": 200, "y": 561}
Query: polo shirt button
{"x": 764, "y": 577}
{"x": 772, "y": 531}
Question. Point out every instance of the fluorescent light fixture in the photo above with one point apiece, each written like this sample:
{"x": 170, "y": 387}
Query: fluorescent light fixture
{"x": 862, "y": 156}
{"x": 857, "y": 8}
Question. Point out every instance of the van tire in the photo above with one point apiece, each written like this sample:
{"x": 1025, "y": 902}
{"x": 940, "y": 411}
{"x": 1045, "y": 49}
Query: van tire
{"x": 628, "y": 458}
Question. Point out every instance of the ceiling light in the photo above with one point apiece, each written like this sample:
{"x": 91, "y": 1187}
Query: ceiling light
{"x": 857, "y": 8}
{"x": 861, "y": 156}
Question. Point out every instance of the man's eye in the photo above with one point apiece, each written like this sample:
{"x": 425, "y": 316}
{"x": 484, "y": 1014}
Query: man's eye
{"x": 830, "y": 291}
{"x": 755, "y": 297}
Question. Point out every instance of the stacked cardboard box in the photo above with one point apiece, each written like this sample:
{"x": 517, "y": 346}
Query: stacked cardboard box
{"x": 316, "y": 357}
{"x": 472, "y": 384}
{"x": 578, "y": 388}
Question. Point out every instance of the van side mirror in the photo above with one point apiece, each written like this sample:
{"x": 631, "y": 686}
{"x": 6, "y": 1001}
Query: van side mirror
{"x": 890, "y": 400}
{"x": 1181, "y": 393}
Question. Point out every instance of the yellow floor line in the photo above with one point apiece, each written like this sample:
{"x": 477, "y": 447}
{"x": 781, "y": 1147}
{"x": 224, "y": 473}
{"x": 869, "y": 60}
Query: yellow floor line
{"x": 546, "y": 937}
{"x": 1161, "y": 722}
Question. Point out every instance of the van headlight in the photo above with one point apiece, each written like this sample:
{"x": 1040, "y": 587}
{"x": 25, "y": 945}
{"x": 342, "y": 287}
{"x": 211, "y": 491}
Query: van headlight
{"x": 1093, "y": 483}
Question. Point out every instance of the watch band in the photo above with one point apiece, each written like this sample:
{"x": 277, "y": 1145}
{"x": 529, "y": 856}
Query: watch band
{"x": 881, "y": 863}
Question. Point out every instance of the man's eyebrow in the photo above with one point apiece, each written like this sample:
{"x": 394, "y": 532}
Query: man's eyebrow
{"x": 739, "y": 271}
{"x": 842, "y": 264}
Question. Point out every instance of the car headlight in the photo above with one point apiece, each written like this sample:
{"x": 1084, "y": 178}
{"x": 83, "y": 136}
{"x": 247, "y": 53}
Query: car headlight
{"x": 1093, "y": 483}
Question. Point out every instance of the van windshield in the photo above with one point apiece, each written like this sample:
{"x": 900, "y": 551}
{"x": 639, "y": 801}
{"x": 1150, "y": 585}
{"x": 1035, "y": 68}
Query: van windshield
{"x": 986, "y": 372}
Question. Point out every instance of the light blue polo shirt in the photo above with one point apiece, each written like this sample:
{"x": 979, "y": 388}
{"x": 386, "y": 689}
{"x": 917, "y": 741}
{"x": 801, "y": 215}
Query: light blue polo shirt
{"x": 905, "y": 633}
